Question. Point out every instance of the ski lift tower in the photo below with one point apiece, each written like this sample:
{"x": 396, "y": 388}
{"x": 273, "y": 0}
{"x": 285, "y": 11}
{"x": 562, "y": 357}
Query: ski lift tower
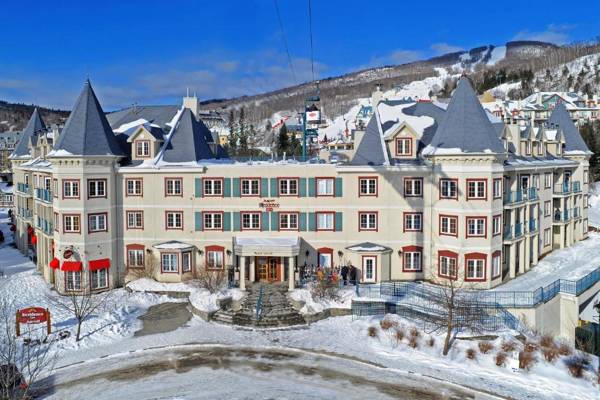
{"x": 311, "y": 119}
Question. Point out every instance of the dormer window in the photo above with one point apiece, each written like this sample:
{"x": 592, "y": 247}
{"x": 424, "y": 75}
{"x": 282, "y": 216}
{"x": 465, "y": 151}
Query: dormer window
{"x": 142, "y": 148}
{"x": 404, "y": 147}
{"x": 528, "y": 148}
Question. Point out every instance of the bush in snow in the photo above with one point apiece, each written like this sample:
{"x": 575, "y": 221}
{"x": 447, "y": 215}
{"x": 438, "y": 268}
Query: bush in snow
{"x": 399, "y": 335}
{"x": 414, "y": 332}
{"x": 387, "y": 324}
{"x": 565, "y": 349}
{"x": 430, "y": 341}
{"x": 413, "y": 341}
{"x": 526, "y": 360}
{"x": 508, "y": 346}
{"x": 471, "y": 354}
{"x": 485, "y": 347}
{"x": 577, "y": 364}
{"x": 213, "y": 281}
{"x": 500, "y": 359}
{"x": 530, "y": 347}
{"x": 547, "y": 341}
{"x": 325, "y": 288}
{"x": 550, "y": 353}
{"x": 372, "y": 331}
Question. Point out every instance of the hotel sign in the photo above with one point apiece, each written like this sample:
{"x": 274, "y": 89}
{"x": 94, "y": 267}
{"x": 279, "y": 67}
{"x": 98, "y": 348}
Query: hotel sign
{"x": 268, "y": 204}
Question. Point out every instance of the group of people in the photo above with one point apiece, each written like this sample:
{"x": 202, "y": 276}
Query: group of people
{"x": 348, "y": 274}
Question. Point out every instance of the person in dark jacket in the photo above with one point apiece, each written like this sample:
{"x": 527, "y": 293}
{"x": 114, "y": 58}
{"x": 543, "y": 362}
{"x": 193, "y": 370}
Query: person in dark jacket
{"x": 344, "y": 273}
{"x": 353, "y": 274}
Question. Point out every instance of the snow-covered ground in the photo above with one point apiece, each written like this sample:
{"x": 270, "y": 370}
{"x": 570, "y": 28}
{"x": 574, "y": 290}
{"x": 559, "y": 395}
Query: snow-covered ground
{"x": 314, "y": 306}
{"x": 570, "y": 263}
{"x": 594, "y": 205}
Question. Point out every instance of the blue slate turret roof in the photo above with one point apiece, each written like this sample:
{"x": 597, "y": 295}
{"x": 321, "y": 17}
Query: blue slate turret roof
{"x": 188, "y": 141}
{"x": 35, "y": 125}
{"x": 573, "y": 141}
{"x": 87, "y": 132}
{"x": 465, "y": 125}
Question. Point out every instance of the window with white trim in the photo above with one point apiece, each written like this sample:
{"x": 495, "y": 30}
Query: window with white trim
{"x": 475, "y": 268}
{"x": 413, "y": 187}
{"x": 403, "y": 146}
{"x": 169, "y": 262}
{"x": 496, "y": 225}
{"x": 325, "y": 221}
{"x": 250, "y": 187}
{"x": 72, "y": 280}
{"x": 134, "y": 187}
{"x": 186, "y": 261}
{"x": 70, "y": 189}
{"x": 250, "y": 221}
{"x": 367, "y": 221}
{"x": 288, "y": 221}
{"x": 367, "y": 186}
{"x": 547, "y": 237}
{"x": 99, "y": 279}
{"x": 585, "y": 201}
{"x": 547, "y": 208}
{"x": 586, "y": 175}
{"x": 97, "y": 222}
{"x": 212, "y": 187}
{"x": 413, "y": 221}
{"x": 412, "y": 260}
{"x": 448, "y": 225}
{"x": 475, "y": 227}
{"x": 174, "y": 220}
{"x": 448, "y": 266}
{"x": 214, "y": 259}
{"x": 135, "y": 257}
{"x": 142, "y": 148}
{"x": 288, "y": 187}
{"x": 96, "y": 188}
{"x": 174, "y": 187}
{"x": 325, "y": 186}
{"x": 212, "y": 221}
{"x": 497, "y": 188}
{"x": 548, "y": 180}
{"x": 135, "y": 219}
{"x": 476, "y": 190}
{"x": 496, "y": 266}
{"x": 71, "y": 223}
{"x": 448, "y": 189}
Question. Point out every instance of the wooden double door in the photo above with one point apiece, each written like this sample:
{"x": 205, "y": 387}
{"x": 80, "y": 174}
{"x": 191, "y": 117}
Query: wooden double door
{"x": 268, "y": 269}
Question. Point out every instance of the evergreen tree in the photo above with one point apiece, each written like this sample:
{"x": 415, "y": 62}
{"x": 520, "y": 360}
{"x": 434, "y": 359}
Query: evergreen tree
{"x": 283, "y": 143}
{"x": 232, "y": 139}
{"x": 295, "y": 145}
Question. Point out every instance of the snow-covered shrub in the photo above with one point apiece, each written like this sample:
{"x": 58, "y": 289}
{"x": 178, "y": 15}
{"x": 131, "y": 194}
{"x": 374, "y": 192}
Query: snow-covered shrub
{"x": 372, "y": 331}
{"x": 565, "y": 349}
{"x": 430, "y": 341}
{"x": 485, "y": 347}
{"x": 530, "y": 347}
{"x": 213, "y": 281}
{"x": 399, "y": 334}
{"x": 500, "y": 359}
{"x": 471, "y": 354}
{"x": 550, "y": 353}
{"x": 325, "y": 288}
{"x": 414, "y": 332}
{"x": 413, "y": 341}
{"x": 526, "y": 360}
{"x": 387, "y": 324}
{"x": 577, "y": 364}
{"x": 547, "y": 341}
{"x": 508, "y": 346}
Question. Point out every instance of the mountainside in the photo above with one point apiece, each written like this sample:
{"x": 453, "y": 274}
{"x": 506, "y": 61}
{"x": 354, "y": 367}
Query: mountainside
{"x": 14, "y": 116}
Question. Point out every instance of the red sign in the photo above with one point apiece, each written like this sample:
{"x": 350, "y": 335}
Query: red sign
{"x": 67, "y": 253}
{"x": 32, "y": 315}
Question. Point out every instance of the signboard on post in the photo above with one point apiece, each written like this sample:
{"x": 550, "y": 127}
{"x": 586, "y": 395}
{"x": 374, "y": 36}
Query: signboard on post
{"x": 33, "y": 315}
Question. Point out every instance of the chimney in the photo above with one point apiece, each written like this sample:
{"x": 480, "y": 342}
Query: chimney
{"x": 191, "y": 102}
{"x": 377, "y": 95}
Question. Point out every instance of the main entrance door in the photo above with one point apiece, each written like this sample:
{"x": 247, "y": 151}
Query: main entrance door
{"x": 268, "y": 269}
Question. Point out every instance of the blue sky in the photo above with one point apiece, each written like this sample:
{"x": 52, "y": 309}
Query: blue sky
{"x": 150, "y": 51}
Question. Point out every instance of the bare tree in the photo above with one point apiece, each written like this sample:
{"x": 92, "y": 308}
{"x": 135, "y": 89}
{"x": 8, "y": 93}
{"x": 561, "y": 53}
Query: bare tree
{"x": 81, "y": 305}
{"x": 213, "y": 281}
{"x": 149, "y": 269}
{"x": 21, "y": 363}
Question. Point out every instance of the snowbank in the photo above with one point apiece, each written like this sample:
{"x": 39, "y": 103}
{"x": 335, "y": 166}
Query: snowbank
{"x": 314, "y": 306}
{"x": 594, "y": 205}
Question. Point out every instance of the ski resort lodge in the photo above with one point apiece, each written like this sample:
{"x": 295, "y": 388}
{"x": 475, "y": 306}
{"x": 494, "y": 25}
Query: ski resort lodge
{"x": 430, "y": 191}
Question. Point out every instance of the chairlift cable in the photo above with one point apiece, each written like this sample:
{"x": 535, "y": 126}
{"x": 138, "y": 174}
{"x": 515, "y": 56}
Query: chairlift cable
{"x": 285, "y": 44}
{"x": 312, "y": 61}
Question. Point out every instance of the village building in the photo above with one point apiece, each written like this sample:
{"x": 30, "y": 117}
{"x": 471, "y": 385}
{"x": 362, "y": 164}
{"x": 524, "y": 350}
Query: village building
{"x": 426, "y": 192}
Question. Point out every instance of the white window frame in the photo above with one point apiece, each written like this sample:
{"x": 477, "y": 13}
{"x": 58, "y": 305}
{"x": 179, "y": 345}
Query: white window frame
{"x": 288, "y": 186}
{"x": 367, "y": 221}
{"x": 73, "y": 281}
{"x": 547, "y": 208}
{"x": 174, "y": 220}
{"x": 250, "y": 221}
{"x": 325, "y": 221}
{"x": 496, "y": 225}
{"x": 547, "y": 180}
{"x": 212, "y": 187}
{"x": 174, "y": 187}
{"x": 413, "y": 187}
{"x": 475, "y": 268}
{"x": 547, "y": 237}
{"x": 446, "y": 225}
{"x": 446, "y": 265}
{"x": 171, "y": 264}
{"x": 71, "y": 189}
{"x": 186, "y": 261}
{"x": 413, "y": 222}
{"x": 325, "y": 187}
{"x": 99, "y": 279}
{"x": 448, "y": 189}
{"x": 142, "y": 148}
{"x": 479, "y": 191}
{"x": 212, "y": 221}
{"x": 134, "y": 187}
{"x": 215, "y": 259}
{"x": 70, "y": 222}
{"x": 95, "y": 186}
{"x": 369, "y": 276}
{"x": 476, "y": 227}
{"x": 250, "y": 186}
{"x": 97, "y": 222}
{"x": 367, "y": 186}
{"x": 497, "y": 188}
{"x": 135, "y": 219}
{"x": 288, "y": 221}
{"x": 412, "y": 261}
{"x": 137, "y": 256}
{"x": 496, "y": 266}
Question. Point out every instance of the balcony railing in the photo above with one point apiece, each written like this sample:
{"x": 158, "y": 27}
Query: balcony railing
{"x": 513, "y": 232}
{"x": 576, "y": 186}
{"x": 567, "y": 187}
{"x": 576, "y": 212}
{"x": 43, "y": 195}
{"x": 562, "y": 216}
{"x": 532, "y": 225}
{"x": 23, "y": 188}
{"x": 519, "y": 196}
{"x": 533, "y": 194}
{"x": 25, "y": 213}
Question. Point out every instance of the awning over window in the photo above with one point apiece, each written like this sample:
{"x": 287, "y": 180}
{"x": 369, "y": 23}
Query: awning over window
{"x": 54, "y": 263}
{"x": 71, "y": 266}
{"x": 102, "y": 263}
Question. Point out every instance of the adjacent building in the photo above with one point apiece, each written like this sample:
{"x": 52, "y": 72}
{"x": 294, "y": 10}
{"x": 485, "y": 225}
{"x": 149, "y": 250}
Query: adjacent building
{"x": 426, "y": 192}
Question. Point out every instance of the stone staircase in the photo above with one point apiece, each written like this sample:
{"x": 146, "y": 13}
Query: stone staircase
{"x": 276, "y": 309}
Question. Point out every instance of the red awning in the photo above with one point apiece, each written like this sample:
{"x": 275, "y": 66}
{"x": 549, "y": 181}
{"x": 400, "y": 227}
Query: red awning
{"x": 71, "y": 266}
{"x": 54, "y": 263}
{"x": 99, "y": 264}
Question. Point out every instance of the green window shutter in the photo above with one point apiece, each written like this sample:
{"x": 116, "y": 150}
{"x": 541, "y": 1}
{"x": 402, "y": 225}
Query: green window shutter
{"x": 273, "y": 187}
{"x": 312, "y": 187}
{"x": 302, "y": 222}
{"x": 236, "y": 188}
{"x": 338, "y": 221}
{"x": 274, "y": 221}
{"x": 198, "y": 187}
{"x": 227, "y": 187}
{"x": 312, "y": 222}
{"x": 236, "y": 221}
{"x": 264, "y": 187}
{"x": 302, "y": 188}
{"x": 198, "y": 220}
{"x": 264, "y": 221}
{"x": 226, "y": 221}
{"x": 338, "y": 187}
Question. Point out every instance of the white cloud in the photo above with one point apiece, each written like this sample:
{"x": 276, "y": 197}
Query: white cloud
{"x": 558, "y": 34}
{"x": 444, "y": 48}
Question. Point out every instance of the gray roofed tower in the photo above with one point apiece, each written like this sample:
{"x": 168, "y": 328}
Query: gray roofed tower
{"x": 465, "y": 125}
{"x": 188, "y": 141}
{"x": 87, "y": 132}
{"x": 370, "y": 150}
{"x": 34, "y": 125}
{"x": 573, "y": 141}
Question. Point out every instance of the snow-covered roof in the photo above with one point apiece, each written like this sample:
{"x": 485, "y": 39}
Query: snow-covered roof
{"x": 368, "y": 247}
{"x": 173, "y": 245}
{"x": 267, "y": 241}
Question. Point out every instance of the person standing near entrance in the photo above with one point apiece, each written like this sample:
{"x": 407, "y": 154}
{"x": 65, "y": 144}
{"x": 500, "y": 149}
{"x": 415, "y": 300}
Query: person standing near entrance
{"x": 345, "y": 274}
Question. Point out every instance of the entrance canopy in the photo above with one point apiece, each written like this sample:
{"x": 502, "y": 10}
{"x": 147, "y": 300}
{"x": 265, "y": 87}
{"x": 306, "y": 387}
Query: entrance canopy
{"x": 266, "y": 246}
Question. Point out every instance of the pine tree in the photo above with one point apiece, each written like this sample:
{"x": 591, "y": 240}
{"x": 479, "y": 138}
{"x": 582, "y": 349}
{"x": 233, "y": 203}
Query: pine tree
{"x": 232, "y": 140}
{"x": 283, "y": 143}
{"x": 295, "y": 145}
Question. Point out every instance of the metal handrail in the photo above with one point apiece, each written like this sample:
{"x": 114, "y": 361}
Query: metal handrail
{"x": 259, "y": 306}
